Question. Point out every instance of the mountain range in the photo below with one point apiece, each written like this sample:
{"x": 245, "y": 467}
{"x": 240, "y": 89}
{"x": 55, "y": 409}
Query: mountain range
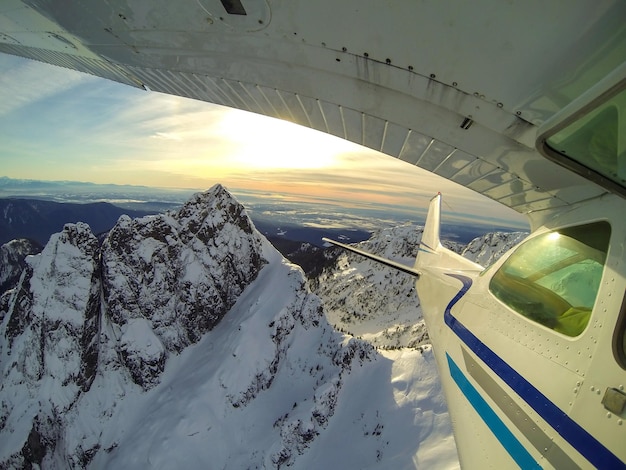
{"x": 38, "y": 219}
{"x": 187, "y": 339}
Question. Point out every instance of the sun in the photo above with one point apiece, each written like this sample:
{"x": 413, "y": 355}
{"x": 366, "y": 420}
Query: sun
{"x": 264, "y": 142}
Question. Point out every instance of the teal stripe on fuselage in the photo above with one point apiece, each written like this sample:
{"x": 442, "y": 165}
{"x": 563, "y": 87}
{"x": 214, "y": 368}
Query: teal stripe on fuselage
{"x": 516, "y": 450}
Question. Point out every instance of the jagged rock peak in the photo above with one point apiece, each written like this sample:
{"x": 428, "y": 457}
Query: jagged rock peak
{"x": 169, "y": 278}
{"x": 207, "y": 213}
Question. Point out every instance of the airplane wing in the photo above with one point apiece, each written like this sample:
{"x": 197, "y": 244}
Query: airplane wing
{"x": 457, "y": 88}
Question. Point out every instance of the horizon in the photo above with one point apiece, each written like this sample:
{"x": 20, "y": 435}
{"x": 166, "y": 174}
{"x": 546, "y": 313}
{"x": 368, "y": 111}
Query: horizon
{"x": 75, "y": 127}
{"x": 126, "y": 195}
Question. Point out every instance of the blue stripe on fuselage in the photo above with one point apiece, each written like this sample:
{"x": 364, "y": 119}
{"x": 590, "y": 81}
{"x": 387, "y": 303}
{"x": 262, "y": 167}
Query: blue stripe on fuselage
{"x": 572, "y": 432}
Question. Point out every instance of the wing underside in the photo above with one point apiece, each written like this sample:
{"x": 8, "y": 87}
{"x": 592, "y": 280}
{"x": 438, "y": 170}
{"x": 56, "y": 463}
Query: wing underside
{"x": 457, "y": 90}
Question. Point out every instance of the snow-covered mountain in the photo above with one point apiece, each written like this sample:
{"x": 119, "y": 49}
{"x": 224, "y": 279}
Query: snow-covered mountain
{"x": 187, "y": 340}
{"x": 379, "y": 304}
{"x": 487, "y": 249}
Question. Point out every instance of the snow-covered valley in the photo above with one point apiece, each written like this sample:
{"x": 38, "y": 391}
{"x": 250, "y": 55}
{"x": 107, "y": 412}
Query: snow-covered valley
{"x": 187, "y": 340}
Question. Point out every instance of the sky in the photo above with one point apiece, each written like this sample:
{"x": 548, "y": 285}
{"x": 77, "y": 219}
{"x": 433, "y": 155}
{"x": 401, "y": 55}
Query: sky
{"x": 57, "y": 124}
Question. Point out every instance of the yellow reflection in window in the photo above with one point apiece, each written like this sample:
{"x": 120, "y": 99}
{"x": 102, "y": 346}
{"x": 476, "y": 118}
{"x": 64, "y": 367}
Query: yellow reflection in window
{"x": 554, "y": 278}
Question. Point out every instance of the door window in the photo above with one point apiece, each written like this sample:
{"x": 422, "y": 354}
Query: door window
{"x": 554, "y": 278}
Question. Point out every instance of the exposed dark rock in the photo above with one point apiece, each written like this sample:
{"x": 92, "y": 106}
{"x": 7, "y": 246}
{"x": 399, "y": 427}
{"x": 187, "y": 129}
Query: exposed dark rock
{"x": 13, "y": 261}
{"x": 34, "y": 449}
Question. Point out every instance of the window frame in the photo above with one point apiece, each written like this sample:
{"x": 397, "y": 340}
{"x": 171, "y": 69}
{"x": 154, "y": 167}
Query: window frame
{"x": 587, "y": 103}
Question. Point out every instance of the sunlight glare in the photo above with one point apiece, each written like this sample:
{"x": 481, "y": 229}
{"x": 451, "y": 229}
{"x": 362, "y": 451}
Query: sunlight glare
{"x": 265, "y": 142}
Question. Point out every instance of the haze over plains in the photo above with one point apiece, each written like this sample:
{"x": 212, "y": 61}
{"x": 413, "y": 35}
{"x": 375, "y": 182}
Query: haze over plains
{"x": 57, "y": 124}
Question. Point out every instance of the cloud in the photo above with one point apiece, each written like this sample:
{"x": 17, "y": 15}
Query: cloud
{"x": 166, "y": 136}
{"x": 401, "y": 185}
{"x": 166, "y": 130}
{"x": 30, "y": 82}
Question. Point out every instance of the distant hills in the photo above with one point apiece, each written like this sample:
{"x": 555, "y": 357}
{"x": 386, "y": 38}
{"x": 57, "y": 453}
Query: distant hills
{"x": 37, "y": 219}
{"x": 37, "y": 209}
{"x": 77, "y": 191}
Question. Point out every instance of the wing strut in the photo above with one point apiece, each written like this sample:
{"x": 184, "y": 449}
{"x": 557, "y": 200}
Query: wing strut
{"x": 379, "y": 259}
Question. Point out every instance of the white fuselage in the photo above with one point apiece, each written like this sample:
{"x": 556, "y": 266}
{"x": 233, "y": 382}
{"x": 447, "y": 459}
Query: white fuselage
{"x": 518, "y": 391}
